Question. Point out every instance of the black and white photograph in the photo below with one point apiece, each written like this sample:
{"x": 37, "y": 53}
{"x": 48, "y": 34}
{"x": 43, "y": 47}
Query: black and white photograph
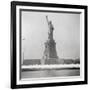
{"x": 50, "y": 46}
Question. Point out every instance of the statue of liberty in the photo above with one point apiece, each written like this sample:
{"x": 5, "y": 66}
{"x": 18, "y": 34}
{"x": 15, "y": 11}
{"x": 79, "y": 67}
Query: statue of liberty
{"x": 50, "y": 54}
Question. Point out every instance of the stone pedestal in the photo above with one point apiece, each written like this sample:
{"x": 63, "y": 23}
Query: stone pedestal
{"x": 50, "y": 54}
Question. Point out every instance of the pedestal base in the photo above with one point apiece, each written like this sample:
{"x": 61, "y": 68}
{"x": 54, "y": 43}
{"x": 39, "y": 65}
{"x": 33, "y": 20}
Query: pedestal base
{"x": 50, "y": 54}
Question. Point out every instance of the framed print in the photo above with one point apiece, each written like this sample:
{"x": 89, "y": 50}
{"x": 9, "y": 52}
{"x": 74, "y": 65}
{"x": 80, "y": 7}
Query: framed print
{"x": 48, "y": 44}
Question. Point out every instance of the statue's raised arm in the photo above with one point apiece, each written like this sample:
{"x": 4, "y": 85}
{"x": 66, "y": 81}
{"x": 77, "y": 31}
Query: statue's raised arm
{"x": 47, "y": 20}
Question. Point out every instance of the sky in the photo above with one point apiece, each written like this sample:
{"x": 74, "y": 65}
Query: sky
{"x": 35, "y": 33}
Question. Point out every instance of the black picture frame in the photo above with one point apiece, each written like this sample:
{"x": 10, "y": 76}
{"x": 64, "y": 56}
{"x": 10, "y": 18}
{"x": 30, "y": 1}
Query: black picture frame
{"x": 14, "y": 4}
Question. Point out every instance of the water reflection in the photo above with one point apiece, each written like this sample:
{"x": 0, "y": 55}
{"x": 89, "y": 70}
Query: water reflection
{"x": 50, "y": 73}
